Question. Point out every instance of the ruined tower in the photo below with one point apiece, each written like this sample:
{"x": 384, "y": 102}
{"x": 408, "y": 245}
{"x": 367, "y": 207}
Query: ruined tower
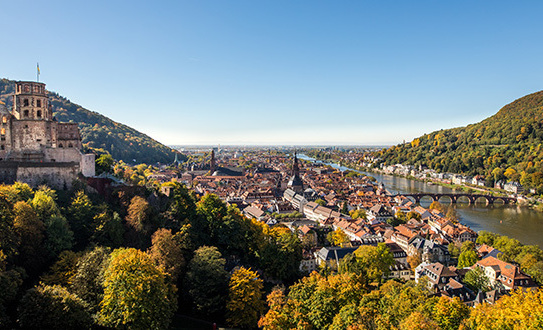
{"x": 34, "y": 147}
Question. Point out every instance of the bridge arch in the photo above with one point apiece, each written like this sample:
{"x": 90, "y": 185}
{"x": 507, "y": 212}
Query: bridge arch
{"x": 483, "y": 199}
{"x": 446, "y": 199}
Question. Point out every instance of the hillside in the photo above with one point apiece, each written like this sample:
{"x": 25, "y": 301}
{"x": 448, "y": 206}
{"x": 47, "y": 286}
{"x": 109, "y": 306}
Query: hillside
{"x": 506, "y": 146}
{"x": 99, "y": 132}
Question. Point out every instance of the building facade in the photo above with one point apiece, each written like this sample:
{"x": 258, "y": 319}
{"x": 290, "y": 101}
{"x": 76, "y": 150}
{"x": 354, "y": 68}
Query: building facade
{"x": 34, "y": 147}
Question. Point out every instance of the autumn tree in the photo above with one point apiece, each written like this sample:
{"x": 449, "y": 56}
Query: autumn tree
{"x": 338, "y": 237}
{"x": 63, "y": 270}
{"x": 31, "y": 233}
{"x": 449, "y": 313}
{"x": 167, "y": 253}
{"x": 136, "y": 294}
{"x": 414, "y": 260}
{"x": 245, "y": 303}
{"x": 436, "y": 205}
{"x": 520, "y": 310}
{"x": 374, "y": 261}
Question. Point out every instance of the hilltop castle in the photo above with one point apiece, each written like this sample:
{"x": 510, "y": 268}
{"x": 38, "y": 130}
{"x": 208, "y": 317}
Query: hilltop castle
{"x": 34, "y": 147}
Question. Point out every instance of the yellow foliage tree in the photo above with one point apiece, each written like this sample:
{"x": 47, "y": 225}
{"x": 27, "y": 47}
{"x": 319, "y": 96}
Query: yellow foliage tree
{"x": 245, "y": 304}
{"x": 521, "y": 310}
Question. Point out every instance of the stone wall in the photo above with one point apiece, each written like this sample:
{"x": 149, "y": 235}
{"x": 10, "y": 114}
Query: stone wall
{"x": 58, "y": 176}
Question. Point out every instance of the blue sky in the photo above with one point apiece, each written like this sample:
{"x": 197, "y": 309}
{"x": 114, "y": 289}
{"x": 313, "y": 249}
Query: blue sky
{"x": 279, "y": 72}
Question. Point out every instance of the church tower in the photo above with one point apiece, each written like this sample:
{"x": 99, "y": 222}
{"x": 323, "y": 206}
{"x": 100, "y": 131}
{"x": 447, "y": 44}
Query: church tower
{"x": 295, "y": 183}
{"x": 213, "y": 165}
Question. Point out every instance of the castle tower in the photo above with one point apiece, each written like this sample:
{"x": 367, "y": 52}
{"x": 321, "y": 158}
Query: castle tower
{"x": 30, "y": 101}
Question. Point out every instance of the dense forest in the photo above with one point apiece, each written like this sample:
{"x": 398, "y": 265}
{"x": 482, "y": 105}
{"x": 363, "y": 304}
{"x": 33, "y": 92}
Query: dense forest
{"x": 101, "y": 134}
{"x": 71, "y": 259}
{"x": 506, "y": 146}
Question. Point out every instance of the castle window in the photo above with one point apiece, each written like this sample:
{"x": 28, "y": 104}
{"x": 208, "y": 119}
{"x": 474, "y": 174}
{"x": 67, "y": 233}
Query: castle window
{"x": 3, "y": 131}
{"x": 26, "y": 114}
{"x": 4, "y": 119}
{"x": 60, "y": 145}
{"x": 39, "y": 113}
{"x": 2, "y": 147}
{"x": 70, "y": 145}
{"x": 38, "y": 103}
{"x": 25, "y": 102}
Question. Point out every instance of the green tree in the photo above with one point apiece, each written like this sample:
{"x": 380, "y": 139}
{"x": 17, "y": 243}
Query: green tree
{"x": 207, "y": 280}
{"x": 53, "y": 307}
{"x": 81, "y": 219}
{"x": 44, "y": 203}
{"x": 467, "y": 259}
{"x": 104, "y": 164}
{"x": 136, "y": 294}
{"x": 87, "y": 280}
{"x": 245, "y": 304}
{"x": 59, "y": 237}
{"x": 109, "y": 229}
{"x": 476, "y": 280}
{"x": 320, "y": 201}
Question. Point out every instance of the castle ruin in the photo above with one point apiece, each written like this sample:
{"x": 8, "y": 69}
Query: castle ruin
{"x": 34, "y": 147}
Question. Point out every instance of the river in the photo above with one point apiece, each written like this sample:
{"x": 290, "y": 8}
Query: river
{"x": 521, "y": 223}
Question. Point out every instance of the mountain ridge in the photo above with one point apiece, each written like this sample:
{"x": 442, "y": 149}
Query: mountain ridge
{"x": 506, "y": 146}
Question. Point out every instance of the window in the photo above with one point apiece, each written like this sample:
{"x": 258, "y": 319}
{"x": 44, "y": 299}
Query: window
{"x": 3, "y": 131}
{"x": 39, "y": 113}
{"x": 60, "y": 145}
{"x": 38, "y": 103}
{"x": 4, "y": 119}
{"x": 26, "y": 115}
{"x": 25, "y": 102}
{"x": 2, "y": 147}
{"x": 70, "y": 145}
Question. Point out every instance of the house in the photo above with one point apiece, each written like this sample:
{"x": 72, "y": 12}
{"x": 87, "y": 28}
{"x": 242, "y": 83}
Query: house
{"x": 254, "y": 212}
{"x": 438, "y": 275}
{"x": 430, "y": 251}
{"x": 478, "y": 180}
{"x": 332, "y": 255}
{"x": 399, "y": 270}
{"x": 514, "y": 187}
{"x": 455, "y": 289}
{"x": 504, "y": 273}
{"x": 379, "y": 213}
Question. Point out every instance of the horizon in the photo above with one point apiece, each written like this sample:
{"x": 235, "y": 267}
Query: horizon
{"x": 280, "y": 73}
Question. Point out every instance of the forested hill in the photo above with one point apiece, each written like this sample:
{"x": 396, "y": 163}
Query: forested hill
{"x": 99, "y": 132}
{"x": 506, "y": 146}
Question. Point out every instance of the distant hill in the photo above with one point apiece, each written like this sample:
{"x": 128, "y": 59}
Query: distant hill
{"x": 99, "y": 132}
{"x": 506, "y": 146}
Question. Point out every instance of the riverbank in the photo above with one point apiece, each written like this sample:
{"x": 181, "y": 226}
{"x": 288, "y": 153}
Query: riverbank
{"x": 522, "y": 200}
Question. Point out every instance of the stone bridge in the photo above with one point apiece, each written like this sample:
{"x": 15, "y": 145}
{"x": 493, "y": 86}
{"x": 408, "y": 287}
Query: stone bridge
{"x": 454, "y": 197}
